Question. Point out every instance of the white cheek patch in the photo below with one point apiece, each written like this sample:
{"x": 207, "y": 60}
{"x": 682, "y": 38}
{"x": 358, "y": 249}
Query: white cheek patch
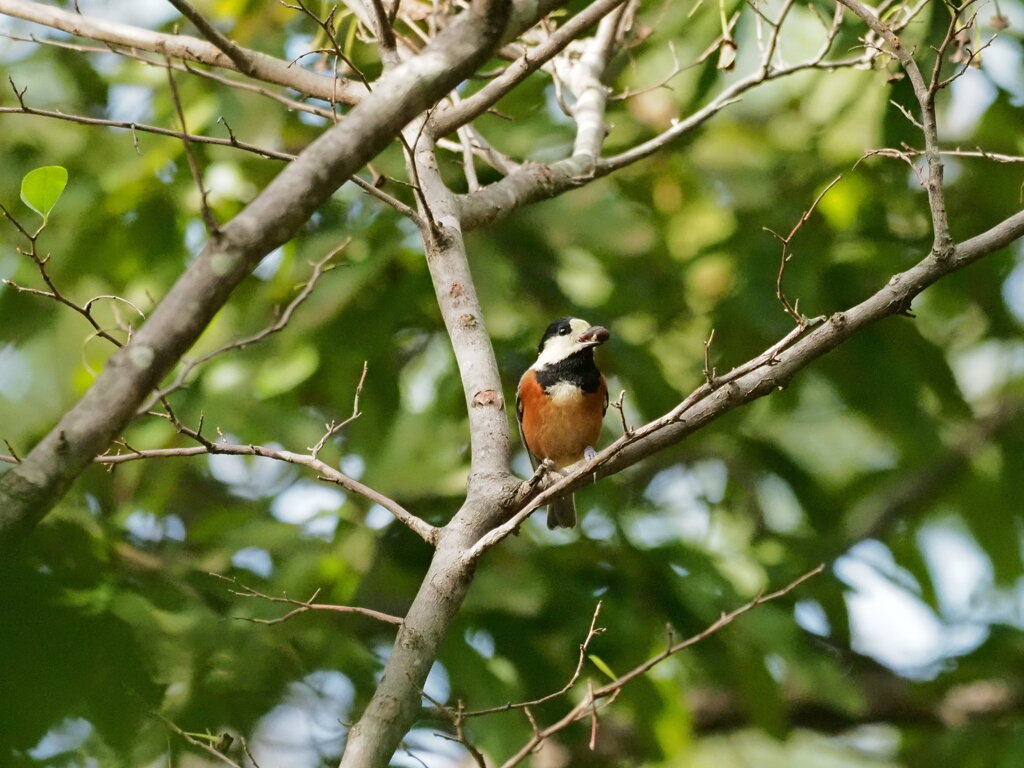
{"x": 556, "y": 349}
{"x": 563, "y": 391}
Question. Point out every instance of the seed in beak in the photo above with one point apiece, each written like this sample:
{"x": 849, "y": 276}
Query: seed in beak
{"x": 595, "y": 334}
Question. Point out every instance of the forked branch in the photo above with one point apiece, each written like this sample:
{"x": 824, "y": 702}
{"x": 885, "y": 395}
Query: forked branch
{"x": 587, "y": 707}
{"x": 301, "y": 606}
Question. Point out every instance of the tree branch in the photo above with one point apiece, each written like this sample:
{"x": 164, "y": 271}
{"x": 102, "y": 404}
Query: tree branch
{"x": 30, "y": 489}
{"x": 446, "y": 120}
{"x": 463, "y": 316}
{"x": 395, "y": 703}
{"x": 593, "y": 632}
{"x": 302, "y": 606}
{"x": 187, "y": 366}
{"x": 244, "y": 60}
{"x": 325, "y": 471}
{"x": 533, "y": 182}
{"x": 610, "y": 690}
{"x": 261, "y": 66}
{"x": 925, "y": 95}
{"x": 766, "y": 373}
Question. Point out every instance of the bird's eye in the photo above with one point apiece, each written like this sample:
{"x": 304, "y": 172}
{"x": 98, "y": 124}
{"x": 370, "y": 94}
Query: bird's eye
{"x": 563, "y": 331}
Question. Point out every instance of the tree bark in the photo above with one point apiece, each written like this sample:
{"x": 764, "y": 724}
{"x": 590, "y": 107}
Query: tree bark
{"x": 30, "y": 489}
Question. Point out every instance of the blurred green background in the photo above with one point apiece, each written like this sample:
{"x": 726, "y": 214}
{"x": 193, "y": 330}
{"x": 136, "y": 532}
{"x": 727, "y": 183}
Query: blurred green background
{"x": 898, "y": 459}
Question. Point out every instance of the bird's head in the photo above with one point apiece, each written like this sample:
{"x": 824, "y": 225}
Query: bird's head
{"x": 567, "y": 336}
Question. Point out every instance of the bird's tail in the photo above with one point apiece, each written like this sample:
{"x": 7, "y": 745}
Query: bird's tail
{"x": 562, "y": 512}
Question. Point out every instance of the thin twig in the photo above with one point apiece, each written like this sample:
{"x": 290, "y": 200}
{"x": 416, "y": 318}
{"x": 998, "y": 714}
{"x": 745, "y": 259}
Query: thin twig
{"x": 212, "y": 228}
{"x": 320, "y": 267}
{"x": 154, "y": 129}
{"x": 327, "y": 25}
{"x": 14, "y": 458}
{"x": 942, "y": 243}
{"x": 206, "y": 743}
{"x": 619, "y": 405}
{"x": 302, "y": 606}
{"x": 447, "y": 120}
{"x": 385, "y": 34}
{"x": 793, "y": 310}
{"x": 587, "y": 707}
{"x": 592, "y": 632}
{"x": 238, "y": 55}
{"x": 332, "y": 428}
{"x": 54, "y": 293}
{"x": 710, "y": 374}
{"x": 325, "y": 472}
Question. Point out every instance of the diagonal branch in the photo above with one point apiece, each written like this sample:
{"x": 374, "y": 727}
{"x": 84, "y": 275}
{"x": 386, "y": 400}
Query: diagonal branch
{"x": 187, "y": 366}
{"x": 263, "y": 67}
{"x": 324, "y": 471}
{"x": 924, "y": 92}
{"x": 763, "y": 375}
{"x": 587, "y": 707}
{"x": 593, "y": 632}
{"x": 30, "y": 489}
{"x": 302, "y": 606}
{"x": 212, "y": 229}
{"x": 533, "y": 182}
{"x": 244, "y": 60}
{"x": 447, "y": 120}
{"x": 586, "y": 81}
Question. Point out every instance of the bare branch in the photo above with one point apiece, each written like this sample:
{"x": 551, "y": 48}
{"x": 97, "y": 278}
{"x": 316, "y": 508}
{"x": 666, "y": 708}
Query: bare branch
{"x": 463, "y": 315}
{"x": 242, "y": 58}
{"x": 619, "y": 405}
{"x": 769, "y": 371}
{"x": 447, "y": 120}
{"x": 533, "y": 182}
{"x": 792, "y": 309}
{"x": 54, "y": 293}
{"x": 587, "y": 707}
{"x": 593, "y": 632}
{"x": 585, "y": 78}
{"x": 332, "y": 428}
{"x": 324, "y": 471}
{"x": 14, "y": 222}
{"x": 187, "y": 366}
{"x": 942, "y": 244}
{"x": 327, "y": 25}
{"x": 13, "y": 458}
{"x": 710, "y": 373}
{"x": 212, "y": 229}
{"x": 385, "y": 34}
{"x": 302, "y": 606}
{"x": 133, "y": 126}
{"x": 263, "y": 67}
{"x": 206, "y": 742}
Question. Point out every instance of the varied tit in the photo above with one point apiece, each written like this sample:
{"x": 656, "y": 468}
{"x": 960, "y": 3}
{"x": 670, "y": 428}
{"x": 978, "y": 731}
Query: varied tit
{"x": 561, "y": 402}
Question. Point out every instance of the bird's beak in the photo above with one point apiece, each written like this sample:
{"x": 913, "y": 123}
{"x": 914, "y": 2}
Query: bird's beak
{"x": 594, "y": 336}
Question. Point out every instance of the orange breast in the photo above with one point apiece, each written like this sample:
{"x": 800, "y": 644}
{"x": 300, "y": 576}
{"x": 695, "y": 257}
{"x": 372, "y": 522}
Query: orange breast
{"x": 559, "y": 426}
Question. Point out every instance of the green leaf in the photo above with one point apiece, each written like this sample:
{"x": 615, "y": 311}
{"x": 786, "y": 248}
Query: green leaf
{"x": 600, "y": 664}
{"x": 42, "y": 188}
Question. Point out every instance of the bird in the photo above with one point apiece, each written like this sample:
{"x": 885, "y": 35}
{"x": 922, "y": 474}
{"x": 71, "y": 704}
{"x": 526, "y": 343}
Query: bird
{"x": 561, "y": 401}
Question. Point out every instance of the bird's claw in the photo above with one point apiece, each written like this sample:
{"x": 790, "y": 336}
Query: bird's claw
{"x": 544, "y": 467}
{"x": 589, "y": 453}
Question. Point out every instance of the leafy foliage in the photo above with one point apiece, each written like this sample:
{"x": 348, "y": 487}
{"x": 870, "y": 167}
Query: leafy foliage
{"x": 896, "y": 459}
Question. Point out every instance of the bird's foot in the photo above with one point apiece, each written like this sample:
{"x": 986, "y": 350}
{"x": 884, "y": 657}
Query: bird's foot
{"x": 544, "y": 467}
{"x": 589, "y": 453}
